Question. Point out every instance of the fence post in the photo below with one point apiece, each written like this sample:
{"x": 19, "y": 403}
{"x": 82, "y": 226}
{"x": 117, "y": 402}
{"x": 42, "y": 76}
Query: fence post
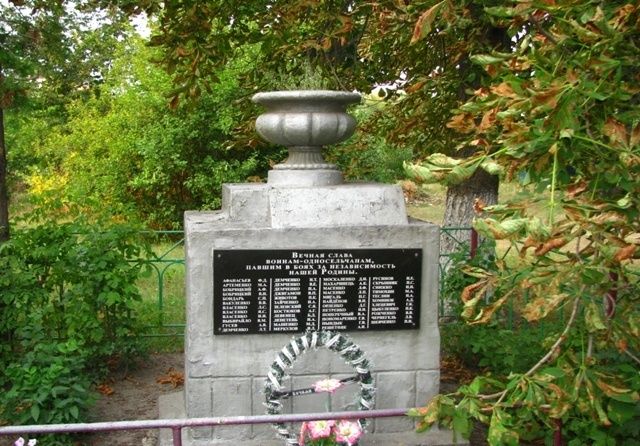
{"x": 177, "y": 436}
{"x": 474, "y": 243}
{"x": 612, "y": 295}
{"x": 557, "y": 435}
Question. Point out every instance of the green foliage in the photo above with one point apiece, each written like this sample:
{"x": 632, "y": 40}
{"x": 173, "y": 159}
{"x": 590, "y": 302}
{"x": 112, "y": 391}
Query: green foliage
{"x": 370, "y": 158}
{"x": 309, "y": 78}
{"x": 71, "y": 281}
{"x": 67, "y": 296}
{"x": 125, "y": 154}
{"x": 49, "y": 385}
{"x": 368, "y": 155}
{"x": 559, "y": 110}
{"x": 345, "y": 45}
{"x": 50, "y": 52}
{"x": 53, "y": 50}
{"x": 494, "y": 348}
{"x": 459, "y": 261}
{"x": 26, "y": 129}
{"x": 508, "y": 343}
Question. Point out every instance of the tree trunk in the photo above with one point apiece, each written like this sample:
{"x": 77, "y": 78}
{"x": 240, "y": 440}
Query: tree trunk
{"x": 4, "y": 193}
{"x": 459, "y": 210}
{"x": 459, "y": 213}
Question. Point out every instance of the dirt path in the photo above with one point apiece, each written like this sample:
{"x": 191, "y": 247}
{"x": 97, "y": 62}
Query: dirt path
{"x": 135, "y": 397}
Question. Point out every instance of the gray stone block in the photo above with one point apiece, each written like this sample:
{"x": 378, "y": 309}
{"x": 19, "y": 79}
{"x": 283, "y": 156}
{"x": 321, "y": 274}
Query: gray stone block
{"x": 331, "y": 206}
{"x": 246, "y": 203}
{"x": 395, "y": 389}
{"x": 225, "y": 373}
{"x": 321, "y": 360}
{"x": 427, "y": 386}
{"x": 232, "y": 396}
{"x": 289, "y": 177}
{"x": 345, "y": 398}
{"x": 199, "y": 403}
{"x": 171, "y": 407}
{"x": 250, "y": 354}
{"x": 266, "y": 432}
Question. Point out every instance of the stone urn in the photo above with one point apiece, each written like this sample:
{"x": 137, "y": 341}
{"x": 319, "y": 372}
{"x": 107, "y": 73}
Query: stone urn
{"x": 305, "y": 121}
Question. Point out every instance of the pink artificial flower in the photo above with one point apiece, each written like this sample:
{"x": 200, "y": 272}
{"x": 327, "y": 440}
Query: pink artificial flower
{"x": 303, "y": 431}
{"x": 327, "y": 385}
{"x": 19, "y": 442}
{"x": 320, "y": 429}
{"x": 348, "y": 432}
{"x": 32, "y": 442}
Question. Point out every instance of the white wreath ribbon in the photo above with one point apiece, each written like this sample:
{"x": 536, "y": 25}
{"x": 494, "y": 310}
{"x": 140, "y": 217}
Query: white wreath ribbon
{"x": 299, "y": 346}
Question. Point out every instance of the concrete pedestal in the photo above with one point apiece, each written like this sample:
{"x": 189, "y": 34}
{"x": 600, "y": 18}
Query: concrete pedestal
{"x": 224, "y": 374}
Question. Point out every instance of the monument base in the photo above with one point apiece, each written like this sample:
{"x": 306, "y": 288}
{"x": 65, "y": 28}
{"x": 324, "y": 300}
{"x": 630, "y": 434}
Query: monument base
{"x": 305, "y": 178}
{"x": 171, "y": 406}
{"x": 333, "y": 234}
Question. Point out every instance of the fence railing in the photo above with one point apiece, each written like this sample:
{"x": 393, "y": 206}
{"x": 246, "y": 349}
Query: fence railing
{"x": 171, "y": 255}
{"x": 167, "y": 254}
{"x": 176, "y": 425}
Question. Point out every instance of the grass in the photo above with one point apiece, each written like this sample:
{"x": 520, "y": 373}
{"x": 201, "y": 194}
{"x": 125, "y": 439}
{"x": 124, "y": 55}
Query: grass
{"x": 162, "y": 308}
{"x": 428, "y": 204}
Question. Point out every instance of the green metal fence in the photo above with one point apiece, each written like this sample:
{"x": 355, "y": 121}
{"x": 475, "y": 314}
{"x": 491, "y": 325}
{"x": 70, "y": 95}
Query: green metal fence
{"x": 459, "y": 237}
{"x": 168, "y": 254}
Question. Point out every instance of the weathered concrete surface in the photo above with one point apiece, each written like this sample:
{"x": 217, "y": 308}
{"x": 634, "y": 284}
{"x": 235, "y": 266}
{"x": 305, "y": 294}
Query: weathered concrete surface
{"x": 262, "y": 205}
{"x": 292, "y": 177}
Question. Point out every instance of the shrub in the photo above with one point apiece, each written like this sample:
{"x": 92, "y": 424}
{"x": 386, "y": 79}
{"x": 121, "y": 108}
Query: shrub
{"x": 509, "y": 346}
{"x": 71, "y": 281}
{"x": 371, "y": 158}
{"x": 66, "y": 309}
{"x": 48, "y": 386}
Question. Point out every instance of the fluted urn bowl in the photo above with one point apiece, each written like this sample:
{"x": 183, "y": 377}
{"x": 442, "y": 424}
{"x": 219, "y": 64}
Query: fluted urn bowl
{"x": 304, "y": 121}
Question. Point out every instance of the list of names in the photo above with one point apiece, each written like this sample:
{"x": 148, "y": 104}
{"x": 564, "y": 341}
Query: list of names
{"x": 270, "y": 291}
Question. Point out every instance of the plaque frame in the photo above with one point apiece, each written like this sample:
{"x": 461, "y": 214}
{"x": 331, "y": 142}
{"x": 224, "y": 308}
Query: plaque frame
{"x": 259, "y": 291}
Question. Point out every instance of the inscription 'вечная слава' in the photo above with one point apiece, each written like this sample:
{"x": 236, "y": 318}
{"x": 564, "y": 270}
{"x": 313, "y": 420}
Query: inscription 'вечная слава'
{"x": 269, "y": 291}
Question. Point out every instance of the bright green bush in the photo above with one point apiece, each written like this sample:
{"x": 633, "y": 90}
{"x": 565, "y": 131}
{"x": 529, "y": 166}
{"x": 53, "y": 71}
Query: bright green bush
{"x": 66, "y": 309}
{"x": 126, "y": 154}
{"x": 370, "y": 158}
{"x": 49, "y": 385}
{"x": 71, "y": 281}
{"x": 368, "y": 155}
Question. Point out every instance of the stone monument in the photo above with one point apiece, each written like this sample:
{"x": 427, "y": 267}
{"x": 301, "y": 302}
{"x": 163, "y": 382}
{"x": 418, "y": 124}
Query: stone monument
{"x": 305, "y": 251}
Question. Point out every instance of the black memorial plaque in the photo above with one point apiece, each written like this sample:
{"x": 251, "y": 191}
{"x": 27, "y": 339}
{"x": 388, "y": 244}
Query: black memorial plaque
{"x": 272, "y": 291}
